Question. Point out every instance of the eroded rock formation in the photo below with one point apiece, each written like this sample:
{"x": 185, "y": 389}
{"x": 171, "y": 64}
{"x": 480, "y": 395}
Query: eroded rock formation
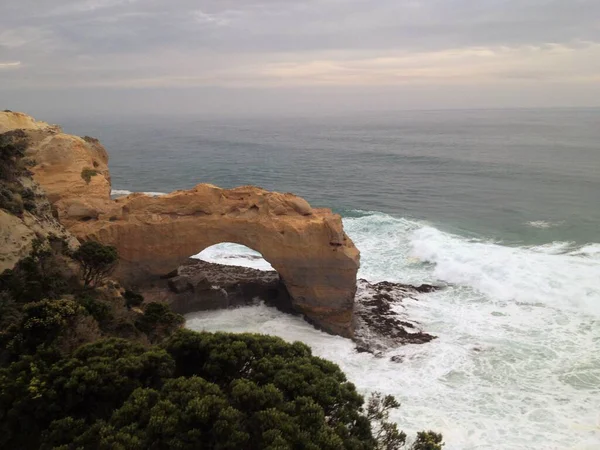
{"x": 155, "y": 235}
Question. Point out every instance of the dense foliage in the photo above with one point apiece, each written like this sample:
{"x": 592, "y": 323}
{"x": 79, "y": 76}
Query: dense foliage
{"x": 14, "y": 196}
{"x": 81, "y": 367}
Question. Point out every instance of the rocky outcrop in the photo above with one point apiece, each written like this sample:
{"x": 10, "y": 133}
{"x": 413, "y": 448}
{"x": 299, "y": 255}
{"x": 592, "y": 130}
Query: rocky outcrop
{"x": 73, "y": 171}
{"x": 381, "y": 323}
{"x": 307, "y": 246}
{"x": 199, "y": 286}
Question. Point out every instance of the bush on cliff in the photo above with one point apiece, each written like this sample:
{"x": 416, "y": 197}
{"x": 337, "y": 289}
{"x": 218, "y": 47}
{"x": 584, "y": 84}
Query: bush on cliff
{"x": 36, "y": 293}
{"x": 87, "y": 174}
{"x": 132, "y": 298}
{"x": 97, "y": 261}
{"x": 14, "y": 198}
{"x": 41, "y": 275}
{"x": 158, "y": 321}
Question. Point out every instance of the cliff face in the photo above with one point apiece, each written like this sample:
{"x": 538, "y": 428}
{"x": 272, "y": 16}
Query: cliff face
{"x": 154, "y": 235}
{"x": 25, "y": 213}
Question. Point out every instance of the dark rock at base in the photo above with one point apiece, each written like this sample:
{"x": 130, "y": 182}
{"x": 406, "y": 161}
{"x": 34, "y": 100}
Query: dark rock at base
{"x": 377, "y": 326}
{"x": 180, "y": 285}
{"x": 200, "y": 286}
{"x": 426, "y": 288}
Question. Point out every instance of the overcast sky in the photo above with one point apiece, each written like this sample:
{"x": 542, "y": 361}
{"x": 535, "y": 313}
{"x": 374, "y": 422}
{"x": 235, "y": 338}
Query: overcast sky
{"x": 245, "y": 56}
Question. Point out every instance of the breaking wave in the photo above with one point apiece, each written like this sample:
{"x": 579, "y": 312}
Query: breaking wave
{"x": 115, "y": 193}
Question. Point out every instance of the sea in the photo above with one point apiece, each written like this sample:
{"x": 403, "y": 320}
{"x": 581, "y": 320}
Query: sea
{"x": 501, "y": 207}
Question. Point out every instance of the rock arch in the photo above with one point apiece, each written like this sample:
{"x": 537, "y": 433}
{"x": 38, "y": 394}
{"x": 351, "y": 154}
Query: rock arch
{"x": 308, "y": 248}
{"x": 154, "y": 235}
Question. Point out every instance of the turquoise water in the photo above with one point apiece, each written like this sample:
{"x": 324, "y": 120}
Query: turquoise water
{"x": 502, "y": 207}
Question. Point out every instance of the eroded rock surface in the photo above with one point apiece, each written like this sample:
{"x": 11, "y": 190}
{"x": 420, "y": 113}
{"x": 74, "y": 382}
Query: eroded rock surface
{"x": 381, "y": 324}
{"x": 155, "y": 235}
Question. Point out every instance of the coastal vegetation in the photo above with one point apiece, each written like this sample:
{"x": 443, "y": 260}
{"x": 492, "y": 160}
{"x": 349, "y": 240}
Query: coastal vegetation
{"x": 87, "y": 174}
{"x": 15, "y": 197}
{"x": 97, "y": 261}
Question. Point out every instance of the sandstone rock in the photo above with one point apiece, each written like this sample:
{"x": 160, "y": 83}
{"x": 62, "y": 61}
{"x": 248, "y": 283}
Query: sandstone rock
{"x": 18, "y": 232}
{"x": 15, "y": 240}
{"x": 154, "y": 235}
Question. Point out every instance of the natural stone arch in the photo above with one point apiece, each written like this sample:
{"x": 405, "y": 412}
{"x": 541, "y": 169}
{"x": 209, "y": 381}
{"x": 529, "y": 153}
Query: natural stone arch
{"x": 307, "y": 246}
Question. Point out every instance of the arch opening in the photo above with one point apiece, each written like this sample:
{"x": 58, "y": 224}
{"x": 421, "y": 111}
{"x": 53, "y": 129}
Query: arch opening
{"x": 232, "y": 254}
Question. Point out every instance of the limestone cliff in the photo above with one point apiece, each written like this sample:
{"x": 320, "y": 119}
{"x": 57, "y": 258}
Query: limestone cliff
{"x": 154, "y": 235}
{"x": 25, "y": 213}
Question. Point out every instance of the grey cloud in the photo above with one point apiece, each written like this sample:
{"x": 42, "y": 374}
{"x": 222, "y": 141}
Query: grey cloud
{"x": 280, "y": 26}
{"x": 63, "y": 43}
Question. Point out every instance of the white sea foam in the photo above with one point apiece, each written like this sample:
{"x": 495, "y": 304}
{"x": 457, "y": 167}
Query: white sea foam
{"x": 517, "y": 361}
{"x": 124, "y": 192}
{"x": 515, "y": 275}
{"x": 543, "y": 224}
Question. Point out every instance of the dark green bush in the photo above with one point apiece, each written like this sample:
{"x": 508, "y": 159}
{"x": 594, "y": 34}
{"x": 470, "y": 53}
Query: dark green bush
{"x": 42, "y": 323}
{"x": 428, "y": 440}
{"x": 158, "y": 321}
{"x": 35, "y": 277}
{"x": 87, "y": 174}
{"x": 88, "y": 386}
{"x": 132, "y": 298}
{"x": 97, "y": 261}
{"x": 98, "y": 309}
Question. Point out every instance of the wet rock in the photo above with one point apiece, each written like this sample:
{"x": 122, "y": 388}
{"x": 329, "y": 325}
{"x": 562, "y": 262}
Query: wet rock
{"x": 201, "y": 286}
{"x": 379, "y": 326}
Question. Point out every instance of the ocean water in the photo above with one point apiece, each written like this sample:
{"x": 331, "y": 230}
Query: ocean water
{"x": 501, "y": 207}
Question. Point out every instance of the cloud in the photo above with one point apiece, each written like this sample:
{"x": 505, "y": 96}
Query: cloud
{"x": 10, "y": 65}
{"x": 281, "y": 43}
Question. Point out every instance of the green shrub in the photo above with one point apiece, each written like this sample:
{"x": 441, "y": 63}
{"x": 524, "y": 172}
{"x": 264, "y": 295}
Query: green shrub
{"x": 35, "y": 277}
{"x": 97, "y": 261}
{"x": 90, "y": 139}
{"x": 10, "y": 200}
{"x": 12, "y": 148}
{"x": 42, "y": 323}
{"x": 98, "y": 309}
{"x": 158, "y": 321}
{"x": 87, "y": 174}
{"x": 132, "y": 298}
{"x": 90, "y": 385}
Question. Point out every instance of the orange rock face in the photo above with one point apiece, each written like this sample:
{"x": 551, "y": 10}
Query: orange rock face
{"x": 154, "y": 235}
